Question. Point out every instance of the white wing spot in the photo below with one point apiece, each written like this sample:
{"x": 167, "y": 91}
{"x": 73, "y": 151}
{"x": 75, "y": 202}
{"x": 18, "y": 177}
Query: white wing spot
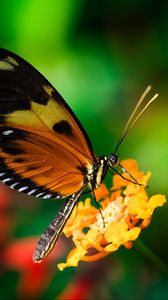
{"x": 7, "y": 132}
{"x": 7, "y": 179}
{"x": 47, "y": 196}
{"x": 2, "y": 174}
{"x": 6, "y": 66}
{"x": 12, "y": 186}
{"x": 32, "y": 191}
{"x": 12, "y": 61}
{"x": 23, "y": 188}
{"x": 39, "y": 195}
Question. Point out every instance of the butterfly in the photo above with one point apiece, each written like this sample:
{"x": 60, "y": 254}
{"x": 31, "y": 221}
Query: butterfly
{"x": 44, "y": 150}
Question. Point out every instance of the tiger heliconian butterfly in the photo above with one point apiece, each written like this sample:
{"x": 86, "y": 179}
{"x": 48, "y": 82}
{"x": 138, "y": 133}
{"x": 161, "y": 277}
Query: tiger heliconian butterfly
{"x": 44, "y": 150}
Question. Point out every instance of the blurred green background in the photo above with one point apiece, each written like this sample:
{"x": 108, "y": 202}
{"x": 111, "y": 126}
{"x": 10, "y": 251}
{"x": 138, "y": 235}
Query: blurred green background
{"x": 100, "y": 55}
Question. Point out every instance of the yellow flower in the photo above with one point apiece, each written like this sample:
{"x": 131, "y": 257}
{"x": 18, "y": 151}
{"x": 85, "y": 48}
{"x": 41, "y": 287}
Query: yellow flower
{"x": 126, "y": 210}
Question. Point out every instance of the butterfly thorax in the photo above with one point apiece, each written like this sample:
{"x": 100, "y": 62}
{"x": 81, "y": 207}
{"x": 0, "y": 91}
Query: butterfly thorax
{"x": 96, "y": 173}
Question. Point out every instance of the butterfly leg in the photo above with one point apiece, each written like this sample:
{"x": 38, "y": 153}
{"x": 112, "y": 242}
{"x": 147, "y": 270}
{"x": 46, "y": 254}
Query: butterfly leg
{"x": 48, "y": 239}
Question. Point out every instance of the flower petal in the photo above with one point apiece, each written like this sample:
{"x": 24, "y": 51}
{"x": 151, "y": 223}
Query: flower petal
{"x": 74, "y": 257}
{"x": 156, "y": 200}
{"x": 126, "y": 210}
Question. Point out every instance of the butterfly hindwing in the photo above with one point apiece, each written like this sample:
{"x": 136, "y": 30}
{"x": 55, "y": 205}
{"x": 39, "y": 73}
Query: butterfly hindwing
{"x": 44, "y": 150}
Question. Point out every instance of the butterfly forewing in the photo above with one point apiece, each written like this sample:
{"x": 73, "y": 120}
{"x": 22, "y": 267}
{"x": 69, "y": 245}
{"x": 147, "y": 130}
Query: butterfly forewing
{"x": 44, "y": 150}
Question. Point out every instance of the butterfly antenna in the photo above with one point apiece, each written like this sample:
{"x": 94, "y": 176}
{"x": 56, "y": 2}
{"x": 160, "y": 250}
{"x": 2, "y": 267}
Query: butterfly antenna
{"x": 134, "y": 116}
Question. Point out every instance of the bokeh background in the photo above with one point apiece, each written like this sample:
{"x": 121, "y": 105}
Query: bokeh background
{"x": 100, "y": 55}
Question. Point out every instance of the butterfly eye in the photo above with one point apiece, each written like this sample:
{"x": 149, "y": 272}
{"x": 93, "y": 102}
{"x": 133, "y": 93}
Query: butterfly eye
{"x": 113, "y": 160}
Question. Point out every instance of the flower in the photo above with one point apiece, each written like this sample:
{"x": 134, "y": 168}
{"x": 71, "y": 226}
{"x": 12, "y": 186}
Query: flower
{"x": 33, "y": 279}
{"x": 16, "y": 255}
{"x": 126, "y": 210}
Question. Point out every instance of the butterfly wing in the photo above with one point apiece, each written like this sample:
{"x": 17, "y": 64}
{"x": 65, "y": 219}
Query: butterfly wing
{"x": 44, "y": 150}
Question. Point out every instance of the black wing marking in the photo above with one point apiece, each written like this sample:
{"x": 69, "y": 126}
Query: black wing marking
{"x": 21, "y": 83}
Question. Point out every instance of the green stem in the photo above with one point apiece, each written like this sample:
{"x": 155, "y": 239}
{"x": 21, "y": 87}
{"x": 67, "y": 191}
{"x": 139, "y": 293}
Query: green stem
{"x": 143, "y": 249}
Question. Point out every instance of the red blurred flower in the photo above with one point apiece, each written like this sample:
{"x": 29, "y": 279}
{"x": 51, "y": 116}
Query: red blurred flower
{"x": 34, "y": 278}
{"x": 16, "y": 254}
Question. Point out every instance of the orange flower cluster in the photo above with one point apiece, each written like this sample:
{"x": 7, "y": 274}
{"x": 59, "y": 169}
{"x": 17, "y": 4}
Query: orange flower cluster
{"x": 126, "y": 210}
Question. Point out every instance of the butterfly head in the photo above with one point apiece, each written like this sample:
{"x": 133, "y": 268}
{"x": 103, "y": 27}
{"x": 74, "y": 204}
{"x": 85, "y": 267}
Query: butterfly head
{"x": 112, "y": 160}
{"x": 114, "y": 164}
